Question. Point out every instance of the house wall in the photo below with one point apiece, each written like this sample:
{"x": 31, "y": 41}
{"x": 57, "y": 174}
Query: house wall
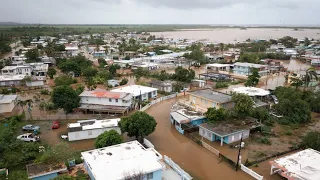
{"x": 9, "y": 83}
{"x": 35, "y": 83}
{"x": 157, "y": 175}
{"x": 87, "y": 167}
{"x": 20, "y": 70}
{"x": 162, "y": 88}
{"x": 245, "y": 70}
{"x": 146, "y": 96}
{"x": 227, "y": 139}
{"x": 89, "y": 134}
{"x": 46, "y": 177}
{"x": 237, "y": 136}
{"x": 198, "y": 121}
{"x": 7, "y": 107}
{"x": 206, "y": 103}
{"x": 105, "y": 101}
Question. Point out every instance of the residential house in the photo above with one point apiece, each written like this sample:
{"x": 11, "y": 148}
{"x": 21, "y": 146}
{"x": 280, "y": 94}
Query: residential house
{"x": 72, "y": 49}
{"x": 36, "y": 81}
{"x": 138, "y": 92}
{"x": 100, "y": 100}
{"x": 240, "y": 68}
{"x": 185, "y": 118}
{"x": 259, "y": 96}
{"x": 130, "y": 54}
{"x": 16, "y": 70}
{"x": 122, "y": 161}
{"x": 219, "y": 67}
{"x": 90, "y": 129}
{"x": 198, "y": 83}
{"x": 7, "y": 103}
{"x": 228, "y": 131}
{"x": 201, "y": 100}
{"x": 300, "y": 165}
{"x": 44, "y": 172}
{"x": 11, "y": 80}
{"x": 39, "y": 69}
{"x": 165, "y": 86}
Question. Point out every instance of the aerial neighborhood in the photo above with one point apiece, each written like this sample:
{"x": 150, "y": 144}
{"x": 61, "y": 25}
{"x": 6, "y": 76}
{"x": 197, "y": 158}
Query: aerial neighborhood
{"x": 128, "y": 103}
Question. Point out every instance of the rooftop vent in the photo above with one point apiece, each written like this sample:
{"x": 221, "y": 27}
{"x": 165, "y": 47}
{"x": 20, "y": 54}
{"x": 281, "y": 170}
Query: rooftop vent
{"x": 127, "y": 148}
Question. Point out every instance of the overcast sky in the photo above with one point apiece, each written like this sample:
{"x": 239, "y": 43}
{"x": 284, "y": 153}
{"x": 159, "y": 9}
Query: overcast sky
{"x": 275, "y": 12}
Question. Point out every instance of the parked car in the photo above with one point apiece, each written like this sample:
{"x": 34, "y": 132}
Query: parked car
{"x": 55, "y": 125}
{"x": 29, "y": 137}
{"x": 30, "y": 127}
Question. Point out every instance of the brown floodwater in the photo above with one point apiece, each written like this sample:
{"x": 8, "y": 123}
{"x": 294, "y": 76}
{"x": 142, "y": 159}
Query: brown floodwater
{"x": 233, "y": 35}
{"x": 196, "y": 160}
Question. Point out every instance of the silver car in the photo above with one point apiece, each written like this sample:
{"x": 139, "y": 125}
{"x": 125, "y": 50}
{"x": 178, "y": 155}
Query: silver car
{"x": 29, "y": 137}
{"x": 30, "y": 127}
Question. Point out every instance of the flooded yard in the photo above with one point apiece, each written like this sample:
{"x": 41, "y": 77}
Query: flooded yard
{"x": 193, "y": 158}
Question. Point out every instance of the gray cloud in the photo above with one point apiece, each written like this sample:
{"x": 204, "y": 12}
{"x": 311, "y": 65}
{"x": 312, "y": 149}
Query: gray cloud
{"x": 161, "y": 11}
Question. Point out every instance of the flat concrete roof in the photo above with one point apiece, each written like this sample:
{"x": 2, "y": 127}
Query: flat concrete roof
{"x": 93, "y": 124}
{"x": 136, "y": 90}
{"x": 212, "y": 95}
{"x": 115, "y": 162}
{"x": 251, "y": 91}
{"x": 301, "y": 165}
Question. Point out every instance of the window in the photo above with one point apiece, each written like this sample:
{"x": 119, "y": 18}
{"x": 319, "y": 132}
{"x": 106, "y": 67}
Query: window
{"x": 117, "y": 100}
{"x": 149, "y": 176}
{"x": 214, "y": 104}
{"x": 110, "y": 100}
{"x": 89, "y": 132}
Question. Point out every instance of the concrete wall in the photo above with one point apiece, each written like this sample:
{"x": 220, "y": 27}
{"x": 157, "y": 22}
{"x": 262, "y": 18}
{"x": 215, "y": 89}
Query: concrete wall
{"x": 7, "y": 107}
{"x": 35, "y": 83}
{"x": 146, "y": 96}
{"x": 89, "y": 134}
{"x": 9, "y": 83}
{"x": 20, "y": 70}
{"x": 88, "y": 170}
{"x": 237, "y": 136}
{"x": 227, "y": 139}
{"x": 206, "y": 103}
{"x": 157, "y": 175}
{"x": 105, "y": 101}
{"x": 46, "y": 177}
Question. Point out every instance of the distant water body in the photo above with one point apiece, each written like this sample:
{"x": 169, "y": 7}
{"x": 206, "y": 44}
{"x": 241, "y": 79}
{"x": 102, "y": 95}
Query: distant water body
{"x": 233, "y": 35}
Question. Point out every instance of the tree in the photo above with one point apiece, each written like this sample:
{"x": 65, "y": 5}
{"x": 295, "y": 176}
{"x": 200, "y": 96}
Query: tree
{"x": 108, "y": 138}
{"x": 311, "y": 140}
{"x": 127, "y": 58}
{"x": 292, "y": 106}
{"x": 253, "y": 78}
{"x": 183, "y": 75}
{"x": 243, "y": 105}
{"x": 260, "y": 114}
{"x": 124, "y": 81}
{"x": 32, "y": 55}
{"x": 311, "y": 74}
{"x": 51, "y": 72}
{"x": 102, "y": 62}
{"x": 64, "y": 80}
{"x": 296, "y": 82}
{"x": 89, "y": 72}
{"x": 139, "y": 125}
{"x": 113, "y": 68}
{"x": 39, "y": 46}
{"x": 79, "y": 89}
{"x": 307, "y": 42}
{"x": 66, "y": 98}
{"x": 213, "y": 115}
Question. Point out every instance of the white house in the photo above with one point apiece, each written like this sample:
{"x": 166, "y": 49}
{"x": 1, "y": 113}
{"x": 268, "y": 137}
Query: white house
{"x": 122, "y": 161}
{"x": 72, "y": 50}
{"x": 113, "y": 82}
{"x": 100, "y": 100}
{"x": 7, "y": 103}
{"x": 36, "y": 81}
{"x": 138, "y": 92}
{"x": 39, "y": 69}
{"x": 89, "y": 129}
{"x": 15, "y": 70}
{"x": 301, "y": 165}
{"x": 9, "y": 80}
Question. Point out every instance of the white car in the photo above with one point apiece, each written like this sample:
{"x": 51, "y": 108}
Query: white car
{"x": 29, "y": 137}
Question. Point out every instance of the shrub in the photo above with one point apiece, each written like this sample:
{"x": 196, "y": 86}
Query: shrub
{"x": 124, "y": 81}
{"x": 288, "y": 132}
{"x": 222, "y": 85}
{"x": 44, "y": 92}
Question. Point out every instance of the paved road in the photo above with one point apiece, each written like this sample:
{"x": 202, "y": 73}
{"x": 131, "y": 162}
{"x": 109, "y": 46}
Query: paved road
{"x": 196, "y": 160}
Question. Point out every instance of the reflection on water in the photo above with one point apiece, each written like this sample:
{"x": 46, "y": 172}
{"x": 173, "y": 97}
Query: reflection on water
{"x": 233, "y": 35}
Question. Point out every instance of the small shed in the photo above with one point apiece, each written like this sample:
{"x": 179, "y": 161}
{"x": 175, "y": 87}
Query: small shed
{"x": 44, "y": 172}
{"x": 228, "y": 131}
{"x": 113, "y": 82}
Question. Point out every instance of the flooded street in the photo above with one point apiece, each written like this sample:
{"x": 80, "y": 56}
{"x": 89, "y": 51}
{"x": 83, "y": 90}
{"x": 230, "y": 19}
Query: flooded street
{"x": 193, "y": 158}
{"x": 233, "y": 35}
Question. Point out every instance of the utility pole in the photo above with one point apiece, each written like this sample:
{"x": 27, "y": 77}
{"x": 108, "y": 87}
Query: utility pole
{"x": 239, "y": 153}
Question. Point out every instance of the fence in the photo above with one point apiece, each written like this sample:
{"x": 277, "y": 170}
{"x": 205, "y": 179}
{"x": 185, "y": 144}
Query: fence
{"x": 181, "y": 172}
{"x": 157, "y": 101}
{"x": 148, "y": 143}
{"x": 251, "y": 172}
{"x": 210, "y": 148}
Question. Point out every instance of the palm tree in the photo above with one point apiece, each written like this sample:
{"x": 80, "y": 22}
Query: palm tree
{"x": 296, "y": 82}
{"x": 311, "y": 74}
{"x": 221, "y": 45}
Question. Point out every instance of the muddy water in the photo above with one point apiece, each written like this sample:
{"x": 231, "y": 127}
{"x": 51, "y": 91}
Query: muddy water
{"x": 232, "y": 35}
{"x": 200, "y": 163}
